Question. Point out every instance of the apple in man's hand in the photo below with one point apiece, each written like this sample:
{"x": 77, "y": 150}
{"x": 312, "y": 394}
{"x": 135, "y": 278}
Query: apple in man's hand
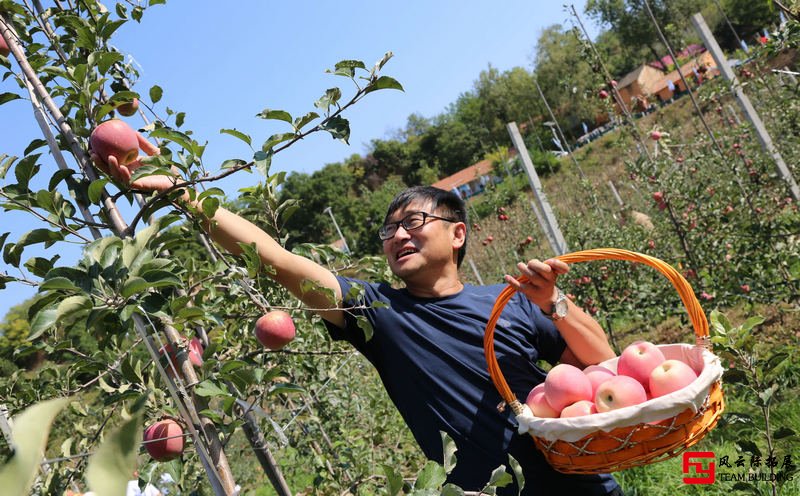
{"x": 618, "y": 392}
{"x": 275, "y": 329}
{"x": 115, "y": 138}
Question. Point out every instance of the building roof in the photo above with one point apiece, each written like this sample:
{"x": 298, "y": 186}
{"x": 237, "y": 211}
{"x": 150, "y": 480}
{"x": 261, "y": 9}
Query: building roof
{"x": 647, "y": 76}
{"x": 465, "y": 175}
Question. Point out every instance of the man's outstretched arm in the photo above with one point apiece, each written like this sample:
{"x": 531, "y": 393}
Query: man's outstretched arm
{"x": 228, "y": 229}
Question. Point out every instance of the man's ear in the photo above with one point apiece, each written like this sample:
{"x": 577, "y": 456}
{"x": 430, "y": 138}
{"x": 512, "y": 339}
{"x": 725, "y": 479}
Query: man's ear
{"x": 459, "y": 235}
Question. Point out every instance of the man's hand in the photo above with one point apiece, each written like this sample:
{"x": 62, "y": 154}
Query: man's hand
{"x": 541, "y": 285}
{"x": 122, "y": 173}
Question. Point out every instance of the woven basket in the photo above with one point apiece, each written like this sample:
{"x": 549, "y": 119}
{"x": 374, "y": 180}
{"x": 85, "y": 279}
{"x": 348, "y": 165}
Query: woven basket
{"x": 653, "y": 431}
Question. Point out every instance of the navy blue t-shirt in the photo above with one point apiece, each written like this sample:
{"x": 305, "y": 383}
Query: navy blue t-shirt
{"x": 429, "y": 355}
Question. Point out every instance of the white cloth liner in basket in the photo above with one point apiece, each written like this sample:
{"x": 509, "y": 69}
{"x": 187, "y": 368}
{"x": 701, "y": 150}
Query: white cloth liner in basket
{"x": 705, "y": 363}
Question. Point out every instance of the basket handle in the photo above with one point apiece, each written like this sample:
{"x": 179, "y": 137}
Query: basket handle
{"x": 685, "y": 291}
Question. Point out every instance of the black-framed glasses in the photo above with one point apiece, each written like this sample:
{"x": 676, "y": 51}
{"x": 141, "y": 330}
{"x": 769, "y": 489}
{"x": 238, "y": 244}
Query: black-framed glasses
{"x": 412, "y": 221}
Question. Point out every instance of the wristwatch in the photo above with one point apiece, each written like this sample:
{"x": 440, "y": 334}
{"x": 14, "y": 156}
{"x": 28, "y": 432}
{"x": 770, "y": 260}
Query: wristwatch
{"x": 559, "y": 308}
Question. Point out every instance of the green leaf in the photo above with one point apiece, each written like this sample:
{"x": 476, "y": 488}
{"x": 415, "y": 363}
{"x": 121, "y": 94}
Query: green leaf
{"x": 35, "y": 144}
{"x": 232, "y": 163}
{"x": 7, "y": 97}
{"x": 96, "y": 189}
{"x": 178, "y": 137}
{"x": 210, "y": 206}
{"x": 431, "y": 476}
{"x": 394, "y": 480}
{"x": 238, "y": 134}
{"x": 449, "y": 451}
{"x": 155, "y": 93}
{"x": 302, "y": 121}
{"x": 518, "y": 475}
{"x": 783, "y": 432}
{"x": 12, "y": 256}
{"x": 286, "y": 388}
{"x": 752, "y": 322}
{"x": 379, "y": 64}
{"x": 263, "y": 160}
{"x": 500, "y": 478}
{"x": 39, "y": 266}
{"x": 111, "y": 466}
{"x": 279, "y": 115}
{"x": 365, "y": 326}
{"x": 72, "y": 305}
{"x": 58, "y": 283}
{"x": 347, "y": 68}
{"x": 384, "y": 83}
{"x": 331, "y": 97}
{"x": 210, "y": 388}
{"x": 452, "y": 490}
{"x": 339, "y": 128}
{"x": 6, "y": 161}
{"x": 30, "y": 433}
{"x": 134, "y": 285}
{"x": 749, "y": 447}
{"x": 276, "y": 139}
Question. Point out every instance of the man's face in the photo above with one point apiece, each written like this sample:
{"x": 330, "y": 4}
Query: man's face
{"x": 427, "y": 248}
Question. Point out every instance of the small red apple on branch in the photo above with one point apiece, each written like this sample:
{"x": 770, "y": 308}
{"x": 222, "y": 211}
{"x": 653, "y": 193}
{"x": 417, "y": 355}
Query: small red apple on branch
{"x": 129, "y": 108}
{"x": 4, "y": 50}
{"x": 164, "y": 440}
{"x": 275, "y": 329}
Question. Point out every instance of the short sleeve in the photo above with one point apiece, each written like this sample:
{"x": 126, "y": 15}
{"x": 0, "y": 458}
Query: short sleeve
{"x": 352, "y": 332}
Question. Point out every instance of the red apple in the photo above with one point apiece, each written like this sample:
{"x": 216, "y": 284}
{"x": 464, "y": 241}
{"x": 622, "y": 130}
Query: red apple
{"x": 164, "y": 440}
{"x": 618, "y": 392}
{"x": 597, "y": 375}
{"x": 275, "y": 329}
{"x": 658, "y": 196}
{"x": 603, "y": 94}
{"x": 638, "y": 360}
{"x": 655, "y": 135}
{"x": 538, "y": 404}
{"x": 670, "y": 376}
{"x": 4, "y": 50}
{"x": 579, "y": 409}
{"x": 129, "y": 108}
{"x": 195, "y": 352}
{"x": 565, "y": 384}
{"x": 114, "y": 137}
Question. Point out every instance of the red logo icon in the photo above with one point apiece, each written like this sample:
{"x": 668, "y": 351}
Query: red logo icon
{"x": 694, "y": 470}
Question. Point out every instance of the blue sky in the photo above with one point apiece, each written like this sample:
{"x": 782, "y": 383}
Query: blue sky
{"x": 223, "y": 62}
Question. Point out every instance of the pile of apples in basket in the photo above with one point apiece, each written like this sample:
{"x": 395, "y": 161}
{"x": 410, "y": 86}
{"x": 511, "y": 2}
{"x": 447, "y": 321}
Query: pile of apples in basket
{"x": 643, "y": 373}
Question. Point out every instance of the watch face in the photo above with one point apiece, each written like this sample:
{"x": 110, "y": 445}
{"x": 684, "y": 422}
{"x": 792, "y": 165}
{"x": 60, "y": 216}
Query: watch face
{"x": 561, "y": 308}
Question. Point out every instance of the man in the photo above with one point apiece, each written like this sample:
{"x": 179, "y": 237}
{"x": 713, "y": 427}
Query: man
{"x": 427, "y": 344}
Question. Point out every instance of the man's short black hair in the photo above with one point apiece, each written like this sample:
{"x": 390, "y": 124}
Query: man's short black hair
{"x": 443, "y": 202}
